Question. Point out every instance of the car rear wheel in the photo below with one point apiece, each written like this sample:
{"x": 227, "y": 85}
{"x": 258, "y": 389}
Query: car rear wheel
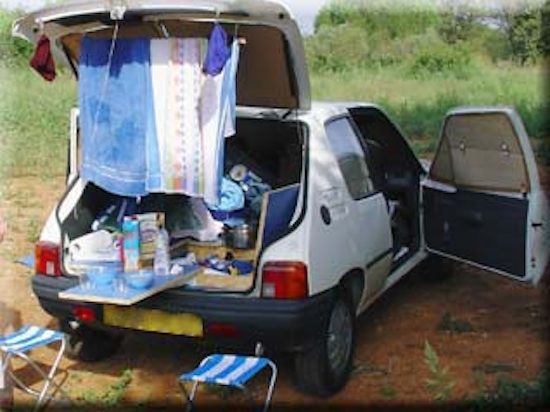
{"x": 88, "y": 344}
{"x": 324, "y": 369}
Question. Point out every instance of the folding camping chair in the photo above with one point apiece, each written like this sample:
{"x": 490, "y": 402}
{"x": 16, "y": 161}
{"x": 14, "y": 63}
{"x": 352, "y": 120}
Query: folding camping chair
{"x": 22, "y": 341}
{"x": 228, "y": 370}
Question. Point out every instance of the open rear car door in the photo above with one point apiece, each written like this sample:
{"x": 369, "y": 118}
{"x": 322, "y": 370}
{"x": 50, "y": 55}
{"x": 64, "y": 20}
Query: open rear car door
{"x": 272, "y": 68}
{"x": 483, "y": 202}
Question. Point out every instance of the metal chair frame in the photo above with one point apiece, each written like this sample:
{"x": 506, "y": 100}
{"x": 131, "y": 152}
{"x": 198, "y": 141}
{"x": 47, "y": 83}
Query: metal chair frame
{"x": 190, "y": 396}
{"x": 42, "y": 395}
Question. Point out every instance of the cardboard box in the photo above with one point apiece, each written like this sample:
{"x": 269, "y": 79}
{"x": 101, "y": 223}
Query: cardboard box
{"x": 149, "y": 224}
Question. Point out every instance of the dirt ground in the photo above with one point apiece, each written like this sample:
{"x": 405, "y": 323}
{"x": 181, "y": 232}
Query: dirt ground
{"x": 506, "y": 333}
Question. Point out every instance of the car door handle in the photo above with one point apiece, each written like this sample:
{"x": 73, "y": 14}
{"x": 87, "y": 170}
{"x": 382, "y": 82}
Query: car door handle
{"x": 325, "y": 215}
{"x": 536, "y": 224}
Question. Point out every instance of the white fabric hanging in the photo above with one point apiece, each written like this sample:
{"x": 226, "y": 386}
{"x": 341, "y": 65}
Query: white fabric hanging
{"x": 177, "y": 77}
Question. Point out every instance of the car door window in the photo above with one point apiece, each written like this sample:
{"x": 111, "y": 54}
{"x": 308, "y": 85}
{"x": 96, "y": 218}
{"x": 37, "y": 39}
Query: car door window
{"x": 350, "y": 156}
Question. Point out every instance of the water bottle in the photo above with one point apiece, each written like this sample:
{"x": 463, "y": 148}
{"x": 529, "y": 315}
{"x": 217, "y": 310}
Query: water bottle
{"x": 161, "y": 263}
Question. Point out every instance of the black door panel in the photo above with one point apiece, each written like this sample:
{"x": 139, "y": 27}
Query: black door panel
{"x": 486, "y": 229}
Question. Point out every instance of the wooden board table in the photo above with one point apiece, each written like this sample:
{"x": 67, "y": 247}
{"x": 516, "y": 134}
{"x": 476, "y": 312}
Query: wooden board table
{"x": 107, "y": 294}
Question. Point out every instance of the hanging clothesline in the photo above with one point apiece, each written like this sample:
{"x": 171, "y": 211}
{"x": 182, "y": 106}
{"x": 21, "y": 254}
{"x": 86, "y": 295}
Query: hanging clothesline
{"x": 160, "y": 122}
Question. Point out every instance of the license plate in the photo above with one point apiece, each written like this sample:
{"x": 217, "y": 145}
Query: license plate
{"x": 150, "y": 320}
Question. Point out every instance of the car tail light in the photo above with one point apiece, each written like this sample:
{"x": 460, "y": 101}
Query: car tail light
{"x": 47, "y": 259}
{"x": 284, "y": 280}
{"x": 84, "y": 314}
{"x": 223, "y": 330}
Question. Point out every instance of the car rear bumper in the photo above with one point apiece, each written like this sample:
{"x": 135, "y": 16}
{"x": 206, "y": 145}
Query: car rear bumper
{"x": 283, "y": 325}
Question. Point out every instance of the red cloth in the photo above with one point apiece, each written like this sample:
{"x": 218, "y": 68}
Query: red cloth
{"x": 42, "y": 60}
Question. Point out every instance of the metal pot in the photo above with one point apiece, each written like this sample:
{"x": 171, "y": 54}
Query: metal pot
{"x": 241, "y": 237}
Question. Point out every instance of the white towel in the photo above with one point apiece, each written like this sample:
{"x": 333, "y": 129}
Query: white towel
{"x": 193, "y": 114}
{"x": 177, "y": 77}
{"x": 218, "y": 121}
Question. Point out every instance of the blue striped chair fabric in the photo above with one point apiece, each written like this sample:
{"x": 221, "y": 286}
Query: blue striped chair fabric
{"x": 28, "y": 338}
{"x": 229, "y": 370}
{"x": 16, "y": 344}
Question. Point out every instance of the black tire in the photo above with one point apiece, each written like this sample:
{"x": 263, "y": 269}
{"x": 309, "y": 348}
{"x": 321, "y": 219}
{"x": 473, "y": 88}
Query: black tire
{"x": 324, "y": 369}
{"x": 88, "y": 344}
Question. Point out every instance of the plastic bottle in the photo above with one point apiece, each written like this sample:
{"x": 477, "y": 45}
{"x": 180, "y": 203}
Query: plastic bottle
{"x": 161, "y": 264}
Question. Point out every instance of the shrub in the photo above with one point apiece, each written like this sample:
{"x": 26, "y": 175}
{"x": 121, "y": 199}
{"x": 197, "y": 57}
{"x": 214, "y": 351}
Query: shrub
{"x": 337, "y": 49}
{"x": 439, "y": 384}
{"x": 509, "y": 393}
{"x": 544, "y": 152}
{"x": 398, "y": 19}
{"x": 524, "y": 29}
{"x": 449, "y": 323}
{"x": 491, "y": 43}
{"x": 13, "y": 51}
{"x": 454, "y": 61}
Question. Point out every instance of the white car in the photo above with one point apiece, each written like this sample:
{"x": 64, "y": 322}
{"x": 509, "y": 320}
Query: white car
{"x": 351, "y": 210}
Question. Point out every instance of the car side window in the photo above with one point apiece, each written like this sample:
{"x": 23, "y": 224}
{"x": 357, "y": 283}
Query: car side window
{"x": 351, "y": 157}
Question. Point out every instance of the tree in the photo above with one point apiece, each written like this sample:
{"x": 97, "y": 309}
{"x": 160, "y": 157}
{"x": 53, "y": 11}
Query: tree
{"x": 524, "y": 31}
{"x": 458, "y": 22}
{"x": 545, "y": 30}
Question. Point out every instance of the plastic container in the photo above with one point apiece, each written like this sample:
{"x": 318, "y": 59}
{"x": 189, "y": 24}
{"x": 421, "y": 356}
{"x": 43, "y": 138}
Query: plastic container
{"x": 140, "y": 279}
{"x": 100, "y": 275}
{"x": 161, "y": 263}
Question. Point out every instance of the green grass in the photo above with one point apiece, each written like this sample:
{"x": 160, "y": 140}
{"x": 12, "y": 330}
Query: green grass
{"x": 511, "y": 394}
{"x": 440, "y": 384}
{"x": 418, "y": 105}
{"x": 388, "y": 392}
{"x": 34, "y": 122}
{"x": 34, "y": 114}
{"x": 449, "y": 323}
{"x": 112, "y": 396}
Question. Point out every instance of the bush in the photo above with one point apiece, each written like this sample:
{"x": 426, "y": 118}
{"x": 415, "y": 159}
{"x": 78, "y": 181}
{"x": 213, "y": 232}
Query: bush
{"x": 13, "y": 51}
{"x": 509, "y": 393}
{"x": 525, "y": 34}
{"x": 446, "y": 60}
{"x": 335, "y": 15}
{"x": 397, "y": 20}
{"x": 494, "y": 44}
{"x": 337, "y": 49}
{"x": 544, "y": 152}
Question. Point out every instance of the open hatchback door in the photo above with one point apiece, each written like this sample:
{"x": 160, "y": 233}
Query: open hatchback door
{"x": 272, "y": 69}
{"x": 483, "y": 202}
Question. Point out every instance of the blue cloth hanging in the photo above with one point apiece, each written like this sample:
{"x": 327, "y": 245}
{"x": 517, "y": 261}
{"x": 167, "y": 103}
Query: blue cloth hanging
{"x": 218, "y": 51}
{"x": 116, "y": 115}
